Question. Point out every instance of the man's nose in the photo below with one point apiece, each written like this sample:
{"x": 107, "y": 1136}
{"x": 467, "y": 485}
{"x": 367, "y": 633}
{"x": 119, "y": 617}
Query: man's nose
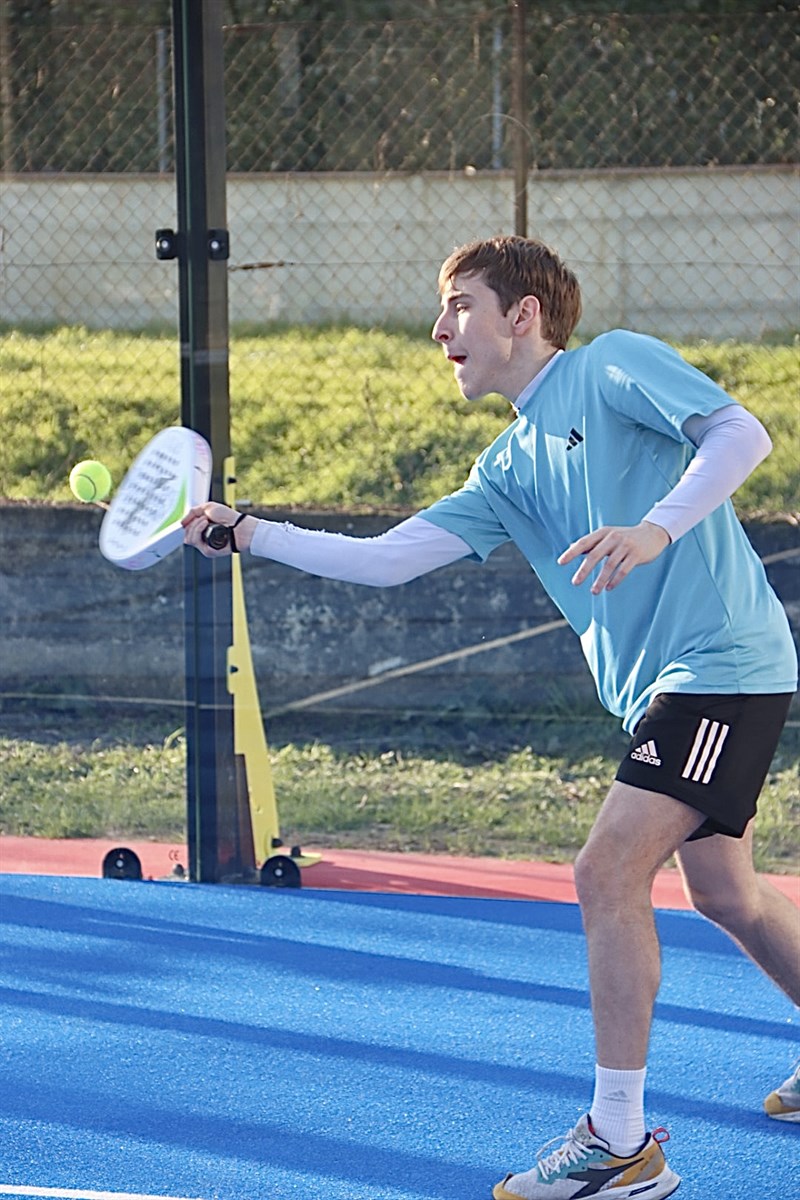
{"x": 439, "y": 333}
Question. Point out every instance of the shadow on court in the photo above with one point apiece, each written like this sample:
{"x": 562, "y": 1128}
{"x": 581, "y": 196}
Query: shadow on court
{"x": 174, "y": 1040}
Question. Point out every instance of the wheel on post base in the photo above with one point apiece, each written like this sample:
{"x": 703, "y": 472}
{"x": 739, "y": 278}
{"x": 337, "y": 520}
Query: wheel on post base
{"x": 280, "y": 871}
{"x": 122, "y": 863}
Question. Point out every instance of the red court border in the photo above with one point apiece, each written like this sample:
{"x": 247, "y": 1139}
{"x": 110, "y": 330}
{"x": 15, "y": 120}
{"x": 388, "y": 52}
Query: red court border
{"x": 354, "y": 870}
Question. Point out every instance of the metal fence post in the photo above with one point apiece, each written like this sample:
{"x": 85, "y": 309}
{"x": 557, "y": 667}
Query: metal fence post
{"x": 520, "y": 118}
{"x": 6, "y": 90}
{"x": 213, "y": 829}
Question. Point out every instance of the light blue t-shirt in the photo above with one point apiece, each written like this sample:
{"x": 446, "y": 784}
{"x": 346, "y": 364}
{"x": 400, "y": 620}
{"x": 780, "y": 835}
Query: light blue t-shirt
{"x": 599, "y": 442}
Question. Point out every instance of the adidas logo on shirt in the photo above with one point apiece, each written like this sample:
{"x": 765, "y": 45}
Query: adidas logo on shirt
{"x": 647, "y": 753}
{"x": 574, "y": 439}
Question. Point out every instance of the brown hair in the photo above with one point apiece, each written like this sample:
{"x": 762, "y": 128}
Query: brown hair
{"x": 514, "y": 267}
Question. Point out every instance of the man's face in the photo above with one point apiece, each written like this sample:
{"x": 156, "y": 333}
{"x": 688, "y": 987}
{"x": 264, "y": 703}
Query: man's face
{"x": 476, "y": 337}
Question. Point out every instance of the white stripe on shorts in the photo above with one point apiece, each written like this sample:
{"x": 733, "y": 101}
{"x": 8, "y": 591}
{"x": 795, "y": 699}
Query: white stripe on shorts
{"x": 705, "y": 751}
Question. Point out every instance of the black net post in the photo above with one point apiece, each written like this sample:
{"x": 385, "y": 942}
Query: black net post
{"x": 215, "y": 844}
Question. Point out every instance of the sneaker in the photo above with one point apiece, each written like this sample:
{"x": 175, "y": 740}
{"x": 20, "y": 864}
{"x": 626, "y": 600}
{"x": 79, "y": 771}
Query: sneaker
{"x": 784, "y": 1103}
{"x": 583, "y": 1165}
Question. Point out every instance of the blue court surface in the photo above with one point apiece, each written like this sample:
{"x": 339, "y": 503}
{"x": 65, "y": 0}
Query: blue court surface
{"x": 221, "y": 1043}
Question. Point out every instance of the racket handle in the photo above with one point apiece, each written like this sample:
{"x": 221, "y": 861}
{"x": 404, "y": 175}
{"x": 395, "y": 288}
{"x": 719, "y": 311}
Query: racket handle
{"x": 217, "y": 536}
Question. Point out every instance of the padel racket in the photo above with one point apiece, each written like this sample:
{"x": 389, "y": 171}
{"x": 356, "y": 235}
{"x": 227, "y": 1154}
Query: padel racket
{"x": 168, "y": 477}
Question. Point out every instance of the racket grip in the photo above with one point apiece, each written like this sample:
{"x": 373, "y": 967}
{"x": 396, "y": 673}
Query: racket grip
{"x": 217, "y": 536}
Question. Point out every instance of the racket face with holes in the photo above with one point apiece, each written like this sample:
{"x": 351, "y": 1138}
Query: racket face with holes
{"x": 169, "y": 476}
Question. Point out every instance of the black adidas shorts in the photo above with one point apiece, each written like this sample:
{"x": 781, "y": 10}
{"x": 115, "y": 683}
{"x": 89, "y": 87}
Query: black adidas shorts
{"x": 712, "y": 752}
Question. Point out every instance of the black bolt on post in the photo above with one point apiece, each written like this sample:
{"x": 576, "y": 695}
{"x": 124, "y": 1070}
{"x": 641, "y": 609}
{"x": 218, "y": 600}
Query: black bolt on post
{"x": 215, "y": 849}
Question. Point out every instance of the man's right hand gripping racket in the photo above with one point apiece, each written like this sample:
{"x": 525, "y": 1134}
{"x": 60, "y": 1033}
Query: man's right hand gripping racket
{"x": 143, "y": 521}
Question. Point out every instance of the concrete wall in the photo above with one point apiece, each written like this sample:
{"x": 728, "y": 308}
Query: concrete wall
{"x": 72, "y": 623}
{"x": 677, "y": 252}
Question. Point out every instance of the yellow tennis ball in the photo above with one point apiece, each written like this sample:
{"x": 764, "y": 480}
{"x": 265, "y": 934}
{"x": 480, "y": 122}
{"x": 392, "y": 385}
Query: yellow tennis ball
{"x": 90, "y": 481}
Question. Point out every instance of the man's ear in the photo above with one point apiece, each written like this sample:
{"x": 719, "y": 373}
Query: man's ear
{"x": 528, "y": 311}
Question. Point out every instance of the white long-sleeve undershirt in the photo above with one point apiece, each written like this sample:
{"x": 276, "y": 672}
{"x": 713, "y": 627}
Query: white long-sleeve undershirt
{"x": 730, "y": 442}
{"x": 412, "y": 548}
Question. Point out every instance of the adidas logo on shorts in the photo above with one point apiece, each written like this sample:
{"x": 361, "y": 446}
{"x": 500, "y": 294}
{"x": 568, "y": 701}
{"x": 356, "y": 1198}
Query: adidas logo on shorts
{"x": 647, "y": 753}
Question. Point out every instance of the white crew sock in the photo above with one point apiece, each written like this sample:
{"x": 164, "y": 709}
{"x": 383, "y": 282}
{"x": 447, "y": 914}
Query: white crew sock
{"x": 617, "y": 1112}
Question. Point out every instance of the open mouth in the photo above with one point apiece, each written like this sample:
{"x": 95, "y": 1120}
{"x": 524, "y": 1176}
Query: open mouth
{"x": 457, "y": 358}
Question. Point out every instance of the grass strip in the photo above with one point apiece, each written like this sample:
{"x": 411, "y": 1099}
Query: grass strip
{"x": 321, "y": 417}
{"x": 525, "y": 792}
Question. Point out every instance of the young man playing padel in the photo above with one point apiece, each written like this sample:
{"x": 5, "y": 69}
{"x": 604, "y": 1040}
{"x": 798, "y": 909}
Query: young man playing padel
{"x": 614, "y": 482}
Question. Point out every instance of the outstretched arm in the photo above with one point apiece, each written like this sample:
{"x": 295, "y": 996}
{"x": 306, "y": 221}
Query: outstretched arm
{"x": 730, "y": 442}
{"x": 410, "y": 549}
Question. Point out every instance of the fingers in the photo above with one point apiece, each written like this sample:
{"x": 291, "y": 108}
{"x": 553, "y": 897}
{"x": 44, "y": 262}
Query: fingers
{"x": 198, "y": 520}
{"x": 619, "y": 549}
{"x": 194, "y": 530}
{"x": 213, "y": 512}
{"x": 594, "y": 547}
{"x": 582, "y": 546}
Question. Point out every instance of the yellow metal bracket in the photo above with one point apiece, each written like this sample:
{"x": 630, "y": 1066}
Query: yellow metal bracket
{"x": 248, "y": 726}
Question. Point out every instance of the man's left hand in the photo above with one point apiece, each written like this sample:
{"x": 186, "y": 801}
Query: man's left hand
{"x": 622, "y": 546}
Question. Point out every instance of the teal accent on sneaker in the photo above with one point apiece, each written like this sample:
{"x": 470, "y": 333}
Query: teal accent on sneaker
{"x": 583, "y": 1165}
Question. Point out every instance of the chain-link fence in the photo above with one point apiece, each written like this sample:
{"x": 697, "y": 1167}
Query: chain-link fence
{"x": 659, "y": 158}
{"x": 614, "y": 91}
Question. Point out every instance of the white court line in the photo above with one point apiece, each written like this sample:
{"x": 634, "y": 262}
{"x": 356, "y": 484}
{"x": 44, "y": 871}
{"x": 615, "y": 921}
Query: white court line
{"x": 10, "y": 1189}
